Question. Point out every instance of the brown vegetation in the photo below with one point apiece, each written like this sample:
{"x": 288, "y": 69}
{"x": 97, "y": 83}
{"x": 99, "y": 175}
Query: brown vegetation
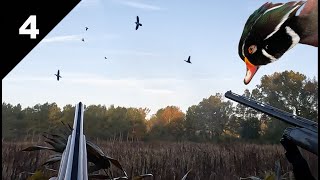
{"x": 167, "y": 160}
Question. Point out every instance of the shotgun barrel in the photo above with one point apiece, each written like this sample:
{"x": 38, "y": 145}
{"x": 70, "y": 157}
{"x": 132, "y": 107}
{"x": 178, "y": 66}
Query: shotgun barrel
{"x": 304, "y": 133}
{"x": 73, "y": 164}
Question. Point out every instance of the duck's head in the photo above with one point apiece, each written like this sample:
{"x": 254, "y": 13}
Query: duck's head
{"x": 267, "y": 35}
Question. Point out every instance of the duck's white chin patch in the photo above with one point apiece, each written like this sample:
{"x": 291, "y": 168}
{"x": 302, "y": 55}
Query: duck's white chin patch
{"x": 269, "y": 56}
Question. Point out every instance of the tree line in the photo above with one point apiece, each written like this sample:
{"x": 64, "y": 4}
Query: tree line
{"x": 214, "y": 119}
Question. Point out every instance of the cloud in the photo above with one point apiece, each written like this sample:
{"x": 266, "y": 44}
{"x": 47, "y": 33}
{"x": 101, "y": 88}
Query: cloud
{"x": 158, "y": 91}
{"x": 149, "y": 85}
{"x": 131, "y": 52}
{"x": 94, "y": 88}
{"x": 140, "y": 5}
{"x": 25, "y": 78}
{"x": 109, "y": 36}
{"x": 62, "y": 38}
{"x": 223, "y": 79}
{"x": 89, "y": 3}
{"x": 103, "y": 82}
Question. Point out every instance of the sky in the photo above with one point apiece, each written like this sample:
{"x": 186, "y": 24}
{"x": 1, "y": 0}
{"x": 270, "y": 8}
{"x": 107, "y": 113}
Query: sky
{"x": 144, "y": 68}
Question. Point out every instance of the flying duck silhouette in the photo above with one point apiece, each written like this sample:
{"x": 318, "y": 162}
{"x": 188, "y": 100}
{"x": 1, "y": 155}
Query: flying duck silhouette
{"x": 58, "y": 75}
{"x": 87, "y": 28}
{"x": 138, "y": 23}
{"x": 188, "y": 61}
{"x": 273, "y": 29}
{"x": 83, "y": 39}
{"x": 105, "y": 57}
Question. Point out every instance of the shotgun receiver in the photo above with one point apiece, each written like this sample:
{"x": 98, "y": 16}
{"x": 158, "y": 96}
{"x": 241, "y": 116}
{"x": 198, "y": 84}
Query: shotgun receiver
{"x": 304, "y": 133}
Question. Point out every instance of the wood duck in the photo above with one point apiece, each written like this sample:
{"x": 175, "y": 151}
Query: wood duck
{"x": 138, "y": 23}
{"x": 188, "y": 61}
{"x": 273, "y": 29}
{"x": 58, "y": 75}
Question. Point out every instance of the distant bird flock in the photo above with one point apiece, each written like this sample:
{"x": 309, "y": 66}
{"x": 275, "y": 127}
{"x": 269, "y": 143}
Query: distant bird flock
{"x": 271, "y": 31}
{"x": 138, "y": 24}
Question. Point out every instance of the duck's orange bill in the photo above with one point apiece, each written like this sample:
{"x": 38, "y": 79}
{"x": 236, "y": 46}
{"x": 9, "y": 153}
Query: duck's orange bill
{"x": 251, "y": 71}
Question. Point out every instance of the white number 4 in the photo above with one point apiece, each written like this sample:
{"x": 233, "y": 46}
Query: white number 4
{"x": 33, "y": 31}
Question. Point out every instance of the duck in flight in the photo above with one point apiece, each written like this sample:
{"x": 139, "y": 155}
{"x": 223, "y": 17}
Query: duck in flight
{"x": 188, "y": 61}
{"x": 87, "y": 28}
{"x": 105, "y": 57}
{"x": 83, "y": 39}
{"x": 138, "y": 23}
{"x": 58, "y": 75}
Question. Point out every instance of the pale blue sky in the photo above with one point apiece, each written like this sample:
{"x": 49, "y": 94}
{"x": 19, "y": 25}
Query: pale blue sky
{"x": 145, "y": 68}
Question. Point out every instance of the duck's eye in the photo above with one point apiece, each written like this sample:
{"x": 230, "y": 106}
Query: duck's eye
{"x": 252, "y": 49}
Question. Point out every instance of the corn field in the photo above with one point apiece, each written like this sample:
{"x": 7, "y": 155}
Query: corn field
{"x": 165, "y": 160}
